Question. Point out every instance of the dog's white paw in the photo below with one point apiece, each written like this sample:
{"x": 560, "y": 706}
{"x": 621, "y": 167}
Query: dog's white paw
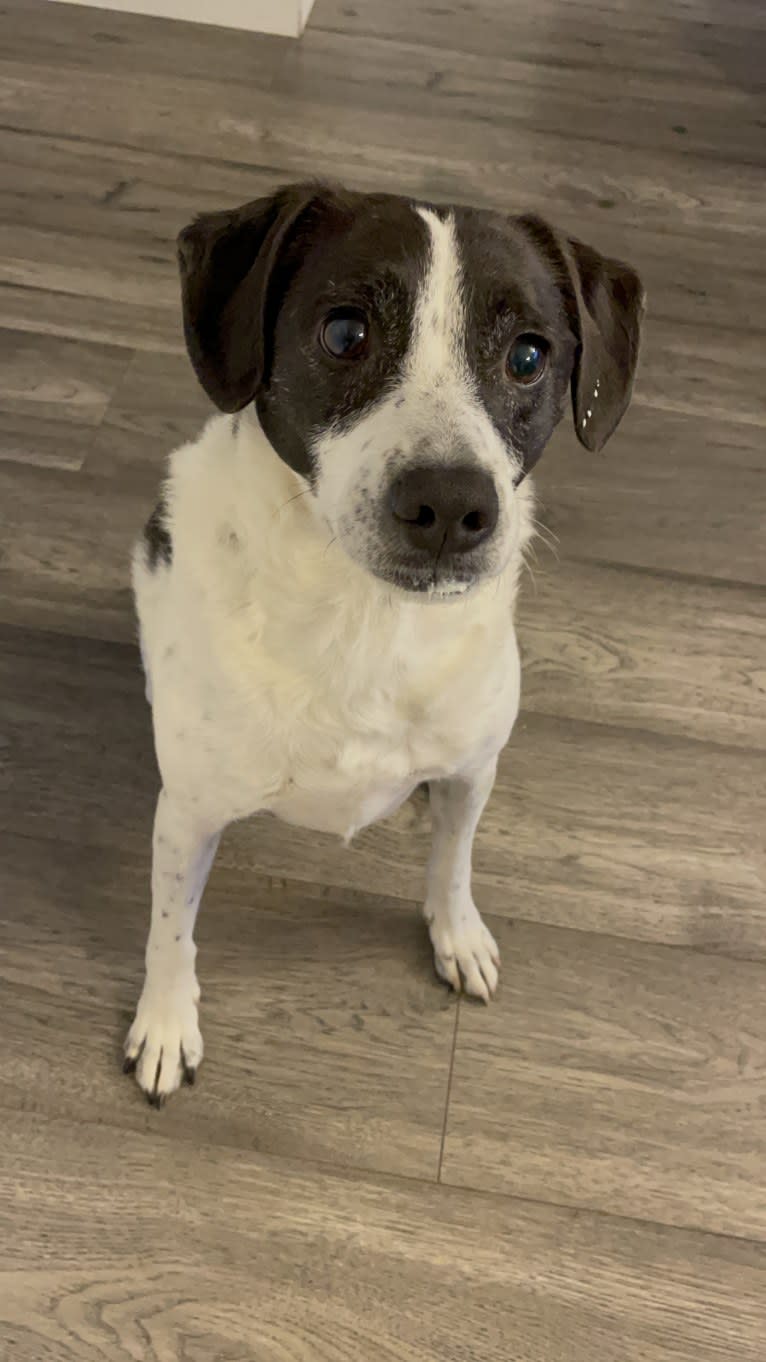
{"x": 466, "y": 955}
{"x": 164, "y": 1046}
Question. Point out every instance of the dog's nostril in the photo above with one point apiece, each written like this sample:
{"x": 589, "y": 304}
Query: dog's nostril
{"x": 474, "y": 521}
{"x": 415, "y": 514}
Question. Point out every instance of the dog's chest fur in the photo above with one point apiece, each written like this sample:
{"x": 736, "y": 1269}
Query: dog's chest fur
{"x": 287, "y": 679}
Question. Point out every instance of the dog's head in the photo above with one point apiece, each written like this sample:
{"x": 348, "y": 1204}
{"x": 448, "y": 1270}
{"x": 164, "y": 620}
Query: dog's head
{"x": 409, "y": 361}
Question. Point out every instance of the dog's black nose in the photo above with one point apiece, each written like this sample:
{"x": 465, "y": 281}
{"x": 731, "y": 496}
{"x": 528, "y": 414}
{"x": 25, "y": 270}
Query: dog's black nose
{"x": 445, "y": 510}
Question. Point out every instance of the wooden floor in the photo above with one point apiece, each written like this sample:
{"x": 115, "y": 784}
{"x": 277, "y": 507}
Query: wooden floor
{"x": 368, "y": 1171}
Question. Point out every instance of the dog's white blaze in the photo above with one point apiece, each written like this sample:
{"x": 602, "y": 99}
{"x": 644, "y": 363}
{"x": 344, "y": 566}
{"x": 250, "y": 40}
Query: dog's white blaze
{"x": 438, "y": 347}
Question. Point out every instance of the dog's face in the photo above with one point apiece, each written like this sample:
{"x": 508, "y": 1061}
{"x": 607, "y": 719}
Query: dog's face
{"x": 410, "y": 362}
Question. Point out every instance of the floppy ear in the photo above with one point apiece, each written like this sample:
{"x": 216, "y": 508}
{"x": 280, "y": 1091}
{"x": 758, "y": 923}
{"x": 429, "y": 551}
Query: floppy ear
{"x": 610, "y": 298}
{"x": 605, "y": 304}
{"x": 227, "y": 265}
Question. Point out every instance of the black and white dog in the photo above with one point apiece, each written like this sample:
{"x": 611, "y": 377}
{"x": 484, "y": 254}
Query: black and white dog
{"x": 326, "y": 590}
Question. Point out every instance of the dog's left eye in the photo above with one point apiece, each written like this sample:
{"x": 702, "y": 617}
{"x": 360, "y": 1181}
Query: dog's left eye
{"x": 344, "y": 334}
{"x": 527, "y": 359}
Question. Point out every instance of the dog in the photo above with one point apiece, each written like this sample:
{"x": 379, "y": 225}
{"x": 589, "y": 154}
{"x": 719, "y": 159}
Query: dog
{"x": 326, "y": 590}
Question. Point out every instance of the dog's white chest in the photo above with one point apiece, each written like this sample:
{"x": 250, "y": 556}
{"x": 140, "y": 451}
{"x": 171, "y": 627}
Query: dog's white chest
{"x": 337, "y": 745}
{"x": 352, "y": 757}
{"x": 345, "y": 796}
{"x": 370, "y": 773}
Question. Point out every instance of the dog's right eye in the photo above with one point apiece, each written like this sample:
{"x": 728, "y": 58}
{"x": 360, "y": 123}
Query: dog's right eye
{"x": 344, "y": 334}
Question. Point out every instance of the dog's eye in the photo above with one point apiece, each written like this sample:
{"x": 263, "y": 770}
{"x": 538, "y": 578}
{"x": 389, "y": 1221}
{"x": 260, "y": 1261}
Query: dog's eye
{"x": 344, "y": 334}
{"x": 527, "y": 359}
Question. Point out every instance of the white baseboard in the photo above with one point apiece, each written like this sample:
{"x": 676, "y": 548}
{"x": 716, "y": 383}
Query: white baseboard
{"x": 285, "y": 17}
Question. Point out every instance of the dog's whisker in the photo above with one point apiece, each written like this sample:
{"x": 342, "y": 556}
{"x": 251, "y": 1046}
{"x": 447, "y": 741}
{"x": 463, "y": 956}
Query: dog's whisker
{"x": 303, "y": 493}
{"x": 542, "y": 529}
{"x": 551, "y": 544}
{"x": 547, "y": 538}
{"x": 533, "y": 579}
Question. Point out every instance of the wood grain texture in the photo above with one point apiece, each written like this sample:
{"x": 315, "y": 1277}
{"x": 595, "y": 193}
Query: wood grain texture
{"x": 109, "y": 43}
{"x": 69, "y": 571}
{"x": 615, "y": 1076}
{"x": 158, "y": 405}
{"x": 720, "y": 44}
{"x": 46, "y": 442}
{"x": 184, "y": 1253}
{"x": 91, "y": 266}
{"x": 673, "y": 492}
{"x": 414, "y": 150}
{"x": 595, "y": 646}
{"x": 49, "y": 310}
{"x": 61, "y": 383}
{"x": 501, "y": 91}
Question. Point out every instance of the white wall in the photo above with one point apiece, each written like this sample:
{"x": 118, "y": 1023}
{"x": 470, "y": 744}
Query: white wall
{"x": 287, "y": 17}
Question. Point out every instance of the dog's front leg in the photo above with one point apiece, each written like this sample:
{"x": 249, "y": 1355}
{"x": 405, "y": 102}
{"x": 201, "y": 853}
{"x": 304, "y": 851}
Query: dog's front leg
{"x": 465, "y": 953}
{"x": 164, "y": 1044}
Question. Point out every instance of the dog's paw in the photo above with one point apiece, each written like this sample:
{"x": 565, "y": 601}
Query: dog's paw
{"x": 465, "y": 952}
{"x": 164, "y": 1046}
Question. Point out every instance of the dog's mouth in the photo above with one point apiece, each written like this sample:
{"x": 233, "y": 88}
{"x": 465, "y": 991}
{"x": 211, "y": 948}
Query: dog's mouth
{"x": 430, "y": 585}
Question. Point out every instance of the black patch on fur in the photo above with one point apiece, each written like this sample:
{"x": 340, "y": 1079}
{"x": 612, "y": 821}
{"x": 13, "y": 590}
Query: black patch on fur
{"x": 259, "y": 281}
{"x": 348, "y": 250}
{"x": 159, "y": 545}
{"x": 520, "y": 276}
{"x": 603, "y": 300}
{"x": 508, "y": 291}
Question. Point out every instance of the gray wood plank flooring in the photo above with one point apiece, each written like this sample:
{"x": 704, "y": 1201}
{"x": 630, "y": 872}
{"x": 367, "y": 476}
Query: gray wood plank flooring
{"x": 368, "y": 1168}
{"x": 178, "y": 1251}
